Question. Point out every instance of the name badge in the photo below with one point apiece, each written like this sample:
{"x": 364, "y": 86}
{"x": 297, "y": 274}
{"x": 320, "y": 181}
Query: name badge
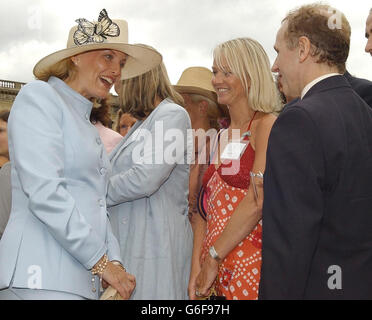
{"x": 233, "y": 150}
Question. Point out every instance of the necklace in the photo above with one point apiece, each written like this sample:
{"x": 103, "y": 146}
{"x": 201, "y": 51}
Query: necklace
{"x": 247, "y": 133}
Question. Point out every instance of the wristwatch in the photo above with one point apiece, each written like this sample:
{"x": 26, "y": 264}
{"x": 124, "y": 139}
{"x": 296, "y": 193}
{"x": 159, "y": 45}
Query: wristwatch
{"x": 213, "y": 253}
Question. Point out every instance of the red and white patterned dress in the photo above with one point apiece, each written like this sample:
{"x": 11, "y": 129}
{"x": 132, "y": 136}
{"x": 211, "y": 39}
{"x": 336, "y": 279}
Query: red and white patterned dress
{"x": 239, "y": 273}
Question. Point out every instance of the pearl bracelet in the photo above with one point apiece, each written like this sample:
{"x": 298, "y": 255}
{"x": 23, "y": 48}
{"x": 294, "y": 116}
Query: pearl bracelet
{"x": 99, "y": 269}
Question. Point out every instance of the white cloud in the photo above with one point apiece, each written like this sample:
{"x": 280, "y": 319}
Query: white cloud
{"x": 17, "y": 62}
{"x": 185, "y": 32}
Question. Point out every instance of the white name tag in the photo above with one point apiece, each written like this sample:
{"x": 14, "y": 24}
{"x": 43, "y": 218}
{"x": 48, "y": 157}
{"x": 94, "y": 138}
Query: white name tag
{"x": 233, "y": 150}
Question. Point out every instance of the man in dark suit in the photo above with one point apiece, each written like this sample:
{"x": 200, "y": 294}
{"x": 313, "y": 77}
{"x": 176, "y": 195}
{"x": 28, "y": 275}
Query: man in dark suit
{"x": 362, "y": 87}
{"x": 369, "y": 33}
{"x": 317, "y": 211}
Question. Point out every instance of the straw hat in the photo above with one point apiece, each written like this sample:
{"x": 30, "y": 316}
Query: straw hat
{"x": 104, "y": 34}
{"x": 198, "y": 80}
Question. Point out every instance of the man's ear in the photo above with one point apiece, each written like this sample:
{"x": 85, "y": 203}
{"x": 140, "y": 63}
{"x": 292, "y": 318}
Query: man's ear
{"x": 304, "y": 47}
{"x": 203, "y": 107}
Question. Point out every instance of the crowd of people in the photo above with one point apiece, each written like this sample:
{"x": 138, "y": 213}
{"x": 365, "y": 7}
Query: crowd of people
{"x": 231, "y": 184}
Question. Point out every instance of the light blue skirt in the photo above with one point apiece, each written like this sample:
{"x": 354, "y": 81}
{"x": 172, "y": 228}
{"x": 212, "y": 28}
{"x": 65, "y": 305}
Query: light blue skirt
{"x": 33, "y": 294}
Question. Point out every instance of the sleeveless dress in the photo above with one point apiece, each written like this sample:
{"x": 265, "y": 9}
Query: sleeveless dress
{"x": 239, "y": 273}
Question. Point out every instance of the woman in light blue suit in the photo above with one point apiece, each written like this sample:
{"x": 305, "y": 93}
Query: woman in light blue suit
{"x": 58, "y": 239}
{"x": 148, "y": 189}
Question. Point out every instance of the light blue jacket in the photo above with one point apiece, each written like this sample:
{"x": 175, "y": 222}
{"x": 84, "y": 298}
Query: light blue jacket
{"x": 58, "y": 227}
{"x": 148, "y": 203}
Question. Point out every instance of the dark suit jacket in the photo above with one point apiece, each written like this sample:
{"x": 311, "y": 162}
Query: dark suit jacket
{"x": 317, "y": 210}
{"x": 363, "y": 87}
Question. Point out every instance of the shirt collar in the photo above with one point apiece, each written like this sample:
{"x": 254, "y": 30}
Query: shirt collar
{"x": 315, "y": 81}
{"x": 54, "y": 81}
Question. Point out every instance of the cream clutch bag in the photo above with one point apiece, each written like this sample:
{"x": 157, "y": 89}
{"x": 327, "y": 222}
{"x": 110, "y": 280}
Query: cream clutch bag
{"x": 111, "y": 294}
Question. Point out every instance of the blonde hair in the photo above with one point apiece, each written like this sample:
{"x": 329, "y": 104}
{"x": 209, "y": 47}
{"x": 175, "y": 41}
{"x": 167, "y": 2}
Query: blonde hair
{"x": 117, "y": 120}
{"x": 137, "y": 95}
{"x": 62, "y": 70}
{"x": 247, "y": 59}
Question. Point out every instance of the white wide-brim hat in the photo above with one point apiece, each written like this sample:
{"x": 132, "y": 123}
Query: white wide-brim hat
{"x": 198, "y": 80}
{"x": 83, "y": 38}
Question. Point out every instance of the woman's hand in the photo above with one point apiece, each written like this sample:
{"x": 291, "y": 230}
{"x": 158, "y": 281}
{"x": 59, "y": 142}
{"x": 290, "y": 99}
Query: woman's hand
{"x": 206, "y": 277}
{"x": 115, "y": 276}
{"x": 192, "y": 282}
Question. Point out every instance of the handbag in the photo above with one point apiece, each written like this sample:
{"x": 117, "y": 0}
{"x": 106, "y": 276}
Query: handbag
{"x": 213, "y": 296}
{"x": 111, "y": 294}
{"x": 202, "y": 203}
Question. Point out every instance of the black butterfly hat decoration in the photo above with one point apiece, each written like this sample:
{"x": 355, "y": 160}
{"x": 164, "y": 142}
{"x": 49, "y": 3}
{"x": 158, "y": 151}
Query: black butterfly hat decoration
{"x": 95, "y": 32}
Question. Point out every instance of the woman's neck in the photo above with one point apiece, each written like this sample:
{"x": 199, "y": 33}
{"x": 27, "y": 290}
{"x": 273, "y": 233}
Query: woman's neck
{"x": 240, "y": 115}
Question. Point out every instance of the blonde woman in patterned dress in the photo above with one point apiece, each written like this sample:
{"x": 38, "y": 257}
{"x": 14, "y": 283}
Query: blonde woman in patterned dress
{"x": 230, "y": 258}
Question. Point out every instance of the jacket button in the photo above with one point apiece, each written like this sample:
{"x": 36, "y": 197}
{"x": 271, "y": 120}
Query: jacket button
{"x": 98, "y": 140}
{"x": 101, "y": 203}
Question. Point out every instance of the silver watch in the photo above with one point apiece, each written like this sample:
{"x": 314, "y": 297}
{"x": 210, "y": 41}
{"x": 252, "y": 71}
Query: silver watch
{"x": 213, "y": 253}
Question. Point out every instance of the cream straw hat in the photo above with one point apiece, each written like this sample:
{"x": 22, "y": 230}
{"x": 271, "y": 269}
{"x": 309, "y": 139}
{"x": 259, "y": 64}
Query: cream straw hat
{"x": 104, "y": 34}
{"x": 198, "y": 80}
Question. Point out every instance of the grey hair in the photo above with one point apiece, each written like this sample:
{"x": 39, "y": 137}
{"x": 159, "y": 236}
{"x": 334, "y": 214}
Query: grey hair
{"x": 198, "y": 97}
{"x": 213, "y": 112}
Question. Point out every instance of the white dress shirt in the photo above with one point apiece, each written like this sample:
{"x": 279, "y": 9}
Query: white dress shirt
{"x": 315, "y": 81}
